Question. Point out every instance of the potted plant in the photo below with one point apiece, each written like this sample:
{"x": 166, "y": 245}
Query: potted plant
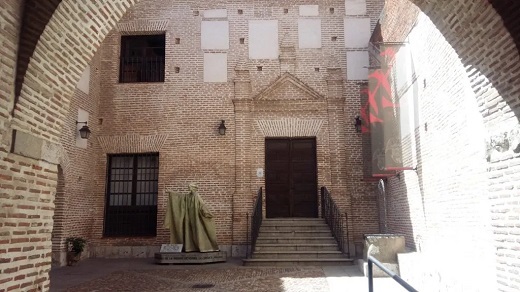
{"x": 75, "y": 245}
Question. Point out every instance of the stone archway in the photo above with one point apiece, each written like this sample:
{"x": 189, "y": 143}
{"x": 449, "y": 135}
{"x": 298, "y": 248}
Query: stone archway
{"x": 485, "y": 46}
{"x": 61, "y": 56}
{"x": 495, "y": 105}
{"x": 29, "y": 174}
{"x": 29, "y": 138}
{"x": 58, "y": 61}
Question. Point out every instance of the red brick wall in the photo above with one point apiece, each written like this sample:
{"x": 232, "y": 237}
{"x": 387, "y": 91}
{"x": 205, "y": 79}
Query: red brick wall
{"x": 36, "y": 15}
{"x": 75, "y": 198}
{"x": 11, "y": 24}
{"x": 59, "y": 60}
{"x": 26, "y": 186}
{"x": 28, "y": 177}
{"x": 187, "y": 111}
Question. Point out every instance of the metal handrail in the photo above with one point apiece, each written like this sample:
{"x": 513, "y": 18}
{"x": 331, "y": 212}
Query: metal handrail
{"x": 247, "y": 236}
{"x": 334, "y": 218}
{"x": 256, "y": 222}
{"x": 371, "y": 261}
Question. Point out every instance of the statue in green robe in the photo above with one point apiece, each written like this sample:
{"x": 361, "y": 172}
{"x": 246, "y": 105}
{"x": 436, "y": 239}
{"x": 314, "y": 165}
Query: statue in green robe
{"x": 190, "y": 222}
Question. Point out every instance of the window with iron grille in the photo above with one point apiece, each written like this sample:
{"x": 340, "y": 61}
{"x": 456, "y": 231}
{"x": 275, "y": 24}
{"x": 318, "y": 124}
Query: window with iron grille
{"x": 142, "y": 58}
{"x": 131, "y": 195}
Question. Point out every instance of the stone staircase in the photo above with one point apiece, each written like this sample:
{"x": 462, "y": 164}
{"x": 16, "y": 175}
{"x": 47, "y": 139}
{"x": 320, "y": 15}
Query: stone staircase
{"x": 296, "y": 241}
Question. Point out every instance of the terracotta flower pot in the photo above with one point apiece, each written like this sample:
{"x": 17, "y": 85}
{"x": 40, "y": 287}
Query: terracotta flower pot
{"x": 73, "y": 257}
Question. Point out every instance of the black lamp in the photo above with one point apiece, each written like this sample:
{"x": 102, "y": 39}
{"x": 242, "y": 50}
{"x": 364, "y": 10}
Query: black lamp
{"x": 222, "y": 128}
{"x": 84, "y": 132}
{"x": 358, "y": 124}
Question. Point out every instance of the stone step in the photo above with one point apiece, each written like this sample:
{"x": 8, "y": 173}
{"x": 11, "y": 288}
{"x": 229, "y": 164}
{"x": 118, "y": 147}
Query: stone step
{"x": 296, "y": 247}
{"x": 296, "y": 233}
{"x": 298, "y": 262}
{"x": 289, "y": 228}
{"x": 296, "y": 240}
{"x": 294, "y": 223}
{"x": 293, "y": 220}
{"x": 298, "y": 254}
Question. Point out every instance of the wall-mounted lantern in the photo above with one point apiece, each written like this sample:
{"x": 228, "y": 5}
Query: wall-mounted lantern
{"x": 358, "y": 124}
{"x": 222, "y": 128}
{"x": 84, "y": 132}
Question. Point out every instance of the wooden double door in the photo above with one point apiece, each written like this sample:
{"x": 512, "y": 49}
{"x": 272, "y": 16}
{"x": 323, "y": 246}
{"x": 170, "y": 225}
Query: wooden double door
{"x": 291, "y": 177}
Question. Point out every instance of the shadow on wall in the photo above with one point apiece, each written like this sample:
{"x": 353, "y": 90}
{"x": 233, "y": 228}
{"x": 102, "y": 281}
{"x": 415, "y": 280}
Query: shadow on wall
{"x": 57, "y": 236}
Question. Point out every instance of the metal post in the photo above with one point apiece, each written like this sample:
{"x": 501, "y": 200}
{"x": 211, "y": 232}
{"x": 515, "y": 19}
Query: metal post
{"x": 247, "y": 236}
{"x": 372, "y": 260}
{"x": 346, "y": 236}
{"x": 370, "y": 277}
{"x": 322, "y": 191}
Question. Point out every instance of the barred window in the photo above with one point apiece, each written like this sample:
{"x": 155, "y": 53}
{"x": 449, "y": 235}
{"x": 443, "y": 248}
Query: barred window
{"x": 142, "y": 58}
{"x": 131, "y": 195}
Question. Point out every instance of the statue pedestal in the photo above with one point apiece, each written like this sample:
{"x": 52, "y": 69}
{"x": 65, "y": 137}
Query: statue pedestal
{"x": 183, "y": 258}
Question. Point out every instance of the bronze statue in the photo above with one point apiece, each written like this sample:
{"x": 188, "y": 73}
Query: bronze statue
{"x": 190, "y": 222}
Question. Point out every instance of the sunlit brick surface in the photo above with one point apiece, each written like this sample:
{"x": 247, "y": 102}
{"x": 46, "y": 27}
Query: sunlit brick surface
{"x": 465, "y": 189}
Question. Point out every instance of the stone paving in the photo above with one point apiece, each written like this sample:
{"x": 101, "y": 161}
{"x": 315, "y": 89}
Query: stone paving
{"x": 142, "y": 275}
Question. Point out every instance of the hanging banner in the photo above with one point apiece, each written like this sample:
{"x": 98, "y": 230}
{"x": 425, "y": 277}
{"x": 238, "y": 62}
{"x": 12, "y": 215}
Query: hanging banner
{"x": 381, "y": 115}
{"x": 407, "y": 93}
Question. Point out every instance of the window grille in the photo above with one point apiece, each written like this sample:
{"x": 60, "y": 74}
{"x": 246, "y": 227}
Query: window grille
{"x": 142, "y": 58}
{"x": 131, "y": 196}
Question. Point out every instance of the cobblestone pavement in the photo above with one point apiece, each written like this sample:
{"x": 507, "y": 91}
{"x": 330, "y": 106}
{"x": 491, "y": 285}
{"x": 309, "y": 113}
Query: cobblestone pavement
{"x": 222, "y": 280}
{"x": 142, "y": 275}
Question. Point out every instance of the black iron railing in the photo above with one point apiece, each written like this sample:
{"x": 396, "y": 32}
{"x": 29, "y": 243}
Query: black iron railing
{"x": 142, "y": 69}
{"x": 256, "y": 221}
{"x": 371, "y": 261}
{"x": 337, "y": 221}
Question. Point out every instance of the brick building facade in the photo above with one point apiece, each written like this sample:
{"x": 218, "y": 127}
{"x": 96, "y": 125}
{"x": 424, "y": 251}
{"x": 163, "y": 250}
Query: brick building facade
{"x": 304, "y": 94}
{"x": 53, "y": 184}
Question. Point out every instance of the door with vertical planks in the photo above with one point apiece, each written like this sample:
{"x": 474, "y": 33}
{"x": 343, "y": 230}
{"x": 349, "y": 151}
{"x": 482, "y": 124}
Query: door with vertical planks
{"x": 291, "y": 177}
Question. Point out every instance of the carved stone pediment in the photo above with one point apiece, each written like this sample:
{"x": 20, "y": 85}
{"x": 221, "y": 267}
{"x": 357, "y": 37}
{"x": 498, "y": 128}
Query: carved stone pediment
{"x": 288, "y": 87}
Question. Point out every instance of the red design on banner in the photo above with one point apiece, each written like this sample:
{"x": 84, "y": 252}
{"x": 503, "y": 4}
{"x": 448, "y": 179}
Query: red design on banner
{"x": 379, "y": 119}
{"x": 365, "y": 112}
{"x": 380, "y": 96}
